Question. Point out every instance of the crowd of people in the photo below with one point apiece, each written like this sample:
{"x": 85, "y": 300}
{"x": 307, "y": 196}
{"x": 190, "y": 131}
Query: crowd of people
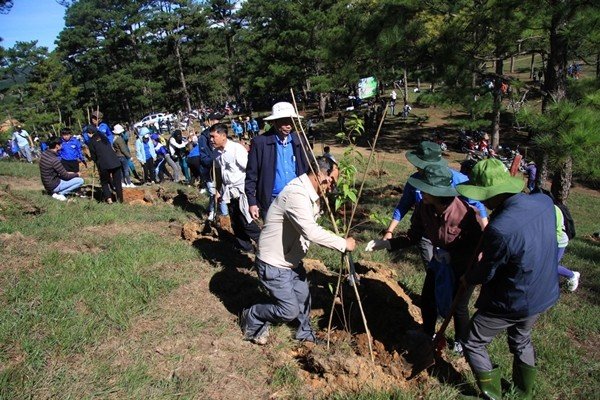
{"x": 512, "y": 253}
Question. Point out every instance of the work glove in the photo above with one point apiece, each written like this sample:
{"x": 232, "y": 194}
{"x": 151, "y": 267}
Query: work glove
{"x": 378, "y": 245}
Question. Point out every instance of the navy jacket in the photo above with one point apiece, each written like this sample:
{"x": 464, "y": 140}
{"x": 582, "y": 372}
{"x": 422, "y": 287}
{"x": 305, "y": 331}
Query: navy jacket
{"x": 207, "y": 155}
{"x": 519, "y": 265}
{"x": 260, "y": 171}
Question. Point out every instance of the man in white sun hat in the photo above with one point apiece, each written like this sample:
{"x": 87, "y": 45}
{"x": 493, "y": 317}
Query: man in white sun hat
{"x": 275, "y": 158}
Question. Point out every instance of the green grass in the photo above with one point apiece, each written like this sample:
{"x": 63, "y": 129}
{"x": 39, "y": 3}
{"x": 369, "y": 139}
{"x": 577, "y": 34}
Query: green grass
{"x": 60, "y": 304}
{"x": 19, "y": 169}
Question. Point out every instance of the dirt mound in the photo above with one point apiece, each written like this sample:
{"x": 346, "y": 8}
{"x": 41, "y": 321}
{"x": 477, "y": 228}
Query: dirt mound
{"x": 398, "y": 349}
{"x": 341, "y": 369}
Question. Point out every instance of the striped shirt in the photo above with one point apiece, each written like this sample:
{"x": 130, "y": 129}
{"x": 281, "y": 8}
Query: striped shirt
{"x": 52, "y": 171}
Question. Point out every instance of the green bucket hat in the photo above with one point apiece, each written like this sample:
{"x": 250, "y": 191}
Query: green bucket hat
{"x": 488, "y": 179}
{"x": 435, "y": 180}
{"x": 428, "y": 153}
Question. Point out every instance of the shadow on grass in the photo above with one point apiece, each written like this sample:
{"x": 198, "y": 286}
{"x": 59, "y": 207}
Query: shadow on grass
{"x": 182, "y": 200}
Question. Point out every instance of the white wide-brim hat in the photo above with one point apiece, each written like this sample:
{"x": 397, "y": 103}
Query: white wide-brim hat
{"x": 282, "y": 110}
{"x": 118, "y": 129}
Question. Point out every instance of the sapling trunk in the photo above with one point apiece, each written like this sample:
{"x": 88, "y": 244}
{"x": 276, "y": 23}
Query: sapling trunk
{"x": 346, "y": 260}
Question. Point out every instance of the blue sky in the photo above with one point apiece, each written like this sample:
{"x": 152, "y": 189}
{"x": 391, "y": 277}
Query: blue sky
{"x": 40, "y": 20}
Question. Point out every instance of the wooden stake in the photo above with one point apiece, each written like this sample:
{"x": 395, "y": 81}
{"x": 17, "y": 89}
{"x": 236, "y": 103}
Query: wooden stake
{"x": 346, "y": 260}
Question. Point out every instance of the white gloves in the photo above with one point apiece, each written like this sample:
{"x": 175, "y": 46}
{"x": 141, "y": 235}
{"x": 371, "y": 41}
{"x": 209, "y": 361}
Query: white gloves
{"x": 378, "y": 244}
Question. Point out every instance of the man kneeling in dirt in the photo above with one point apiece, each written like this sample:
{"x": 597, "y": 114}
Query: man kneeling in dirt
{"x": 56, "y": 179}
{"x": 289, "y": 228}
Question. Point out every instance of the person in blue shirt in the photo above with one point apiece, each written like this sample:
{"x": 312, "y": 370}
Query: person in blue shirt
{"x": 275, "y": 158}
{"x": 193, "y": 161}
{"x": 102, "y": 127}
{"x": 144, "y": 150}
{"x": 160, "y": 167}
{"x": 70, "y": 151}
{"x": 237, "y": 128}
{"x": 254, "y": 126}
{"x": 428, "y": 153}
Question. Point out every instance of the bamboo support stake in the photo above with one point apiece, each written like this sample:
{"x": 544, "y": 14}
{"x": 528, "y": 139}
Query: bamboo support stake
{"x": 346, "y": 260}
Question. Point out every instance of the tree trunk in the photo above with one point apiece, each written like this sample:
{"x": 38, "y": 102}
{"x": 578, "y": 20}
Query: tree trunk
{"x": 186, "y": 94}
{"x": 497, "y": 105}
{"x": 541, "y": 161}
{"x": 512, "y": 64}
{"x": 532, "y": 66}
{"x": 555, "y": 88}
{"x": 561, "y": 182}
{"x": 555, "y": 80}
{"x": 405, "y": 74}
{"x": 322, "y": 105}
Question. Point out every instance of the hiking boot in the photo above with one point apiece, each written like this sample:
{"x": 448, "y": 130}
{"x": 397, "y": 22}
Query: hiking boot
{"x": 313, "y": 339}
{"x": 262, "y": 338}
{"x": 573, "y": 282}
{"x": 60, "y": 197}
{"x": 243, "y": 322}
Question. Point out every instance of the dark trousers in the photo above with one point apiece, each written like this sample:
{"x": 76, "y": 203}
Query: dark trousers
{"x": 194, "y": 166}
{"x": 149, "y": 170}
{"x": 485, "y": 327}
{"x": 242, "y": 230}
{"x": 162, "y": 170}
{"x": 70, "y": 165}
{"x": 112, "y": 177}
{"x": 429, "y": 308}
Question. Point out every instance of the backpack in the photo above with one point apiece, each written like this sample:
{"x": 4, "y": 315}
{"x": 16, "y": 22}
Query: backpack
{"x": 569, "y": 222}
{"x": 568, "y": 218}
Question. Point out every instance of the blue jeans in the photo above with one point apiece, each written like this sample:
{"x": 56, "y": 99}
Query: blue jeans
{"x": 125, "y": 170}
{"x": 65, "y": 187}
{"x": 291, "y": 300}
{"x": 25, "y": 152}
{"x": 184, "y": 168}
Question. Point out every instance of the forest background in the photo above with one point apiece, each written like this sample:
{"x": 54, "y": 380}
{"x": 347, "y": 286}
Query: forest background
{"x": 129, "y": 58}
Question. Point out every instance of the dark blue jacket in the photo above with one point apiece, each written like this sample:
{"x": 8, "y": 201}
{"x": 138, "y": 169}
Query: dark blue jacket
{"x": 71, "y": 150}
{"x": 207, "y": 155}
{"x": 260, "y": 170}
{"x": 519, "y": 265}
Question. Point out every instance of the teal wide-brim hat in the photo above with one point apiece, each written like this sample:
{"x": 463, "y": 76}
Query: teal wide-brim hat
{"x": 490, "y": 178}
{"x": 435, "y": 180}
{"x": 428, "y": 153}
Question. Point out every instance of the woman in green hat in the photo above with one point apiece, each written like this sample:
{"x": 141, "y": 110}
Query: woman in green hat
{"x": 454, "y": 229}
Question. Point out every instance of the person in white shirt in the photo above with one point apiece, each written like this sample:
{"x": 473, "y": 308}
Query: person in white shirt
{"x": 290, "y": 227}
{"x": 21, "y": 136}
{"x": 232, "y": 159}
